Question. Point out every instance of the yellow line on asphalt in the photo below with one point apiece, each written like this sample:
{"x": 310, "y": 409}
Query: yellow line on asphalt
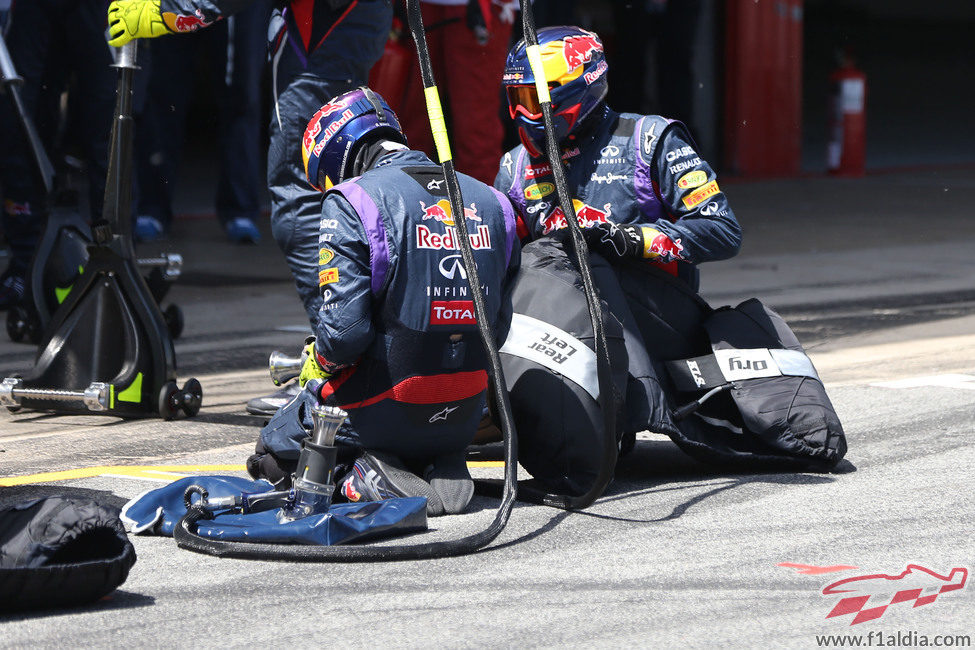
{"x": 137, "y": 471}
{"x": 151, "y": 471}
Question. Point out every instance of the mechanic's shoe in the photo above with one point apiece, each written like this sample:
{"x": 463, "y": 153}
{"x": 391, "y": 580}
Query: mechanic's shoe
{"x": 376, "y": 476}
{"x": 262, "y": 464}
{"x": 451, "y": 480}
{"x": 242, "y": 230}
{"x": 148, "y": 229}
{"x": 269, "y": 404}
{"x": 12, "y": 286}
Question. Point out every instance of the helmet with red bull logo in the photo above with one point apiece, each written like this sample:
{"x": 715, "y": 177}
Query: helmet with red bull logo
{"x": 336, "y": 133}
{"x": 575, "y": 69}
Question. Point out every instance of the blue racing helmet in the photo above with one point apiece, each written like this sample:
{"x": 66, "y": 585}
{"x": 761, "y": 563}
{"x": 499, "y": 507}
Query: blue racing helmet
{"x": 575, "y": 69}
{"x": 337, "y": 132}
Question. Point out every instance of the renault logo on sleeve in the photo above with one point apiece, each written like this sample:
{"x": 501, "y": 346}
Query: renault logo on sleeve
{"x": 452, "y": 266}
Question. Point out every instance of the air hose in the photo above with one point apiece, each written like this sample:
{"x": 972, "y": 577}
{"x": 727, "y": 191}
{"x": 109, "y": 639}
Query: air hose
{"x": 185, "y": 531}
{"x": 581, "y": 250}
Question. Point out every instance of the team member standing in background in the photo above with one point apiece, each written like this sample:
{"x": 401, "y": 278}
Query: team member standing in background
{"x": 468, "y": 41}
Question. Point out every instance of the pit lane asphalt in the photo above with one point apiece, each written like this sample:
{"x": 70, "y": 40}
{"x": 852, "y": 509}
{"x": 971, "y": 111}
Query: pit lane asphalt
{"x": 875, "y": 275}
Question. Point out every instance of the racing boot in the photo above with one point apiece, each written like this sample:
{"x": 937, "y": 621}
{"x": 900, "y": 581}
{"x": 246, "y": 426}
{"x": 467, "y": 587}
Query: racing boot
{"x": 376, "y": 476}
{"x": 269, "y": 404}
{"x": 451, "y": 481}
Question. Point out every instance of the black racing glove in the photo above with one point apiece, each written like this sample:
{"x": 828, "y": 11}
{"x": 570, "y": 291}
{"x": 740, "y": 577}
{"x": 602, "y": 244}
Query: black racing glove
{"x": 639, "y": 242}
{"x": 615, "y": 241}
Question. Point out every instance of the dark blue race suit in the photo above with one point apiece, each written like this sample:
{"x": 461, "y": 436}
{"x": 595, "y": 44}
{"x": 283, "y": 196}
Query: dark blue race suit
{"x": 319, "y": 49}
{"x": 642, "y": 170}
{"x": 632, "y": 169}
{"x": 397, "y": 313}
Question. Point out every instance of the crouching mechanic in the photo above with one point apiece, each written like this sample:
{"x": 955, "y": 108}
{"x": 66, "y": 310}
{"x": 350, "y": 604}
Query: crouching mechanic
{"x": 396, "y": 338}
{"x": 648, "y": 204}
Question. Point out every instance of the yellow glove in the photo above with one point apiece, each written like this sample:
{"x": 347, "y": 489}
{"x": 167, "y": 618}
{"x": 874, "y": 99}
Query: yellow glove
{"x": 129, "y": 19}
{"x": 311, "y": 369}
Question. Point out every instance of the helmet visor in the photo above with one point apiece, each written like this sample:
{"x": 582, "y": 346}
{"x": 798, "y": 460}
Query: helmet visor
{"x": 524, "y": 100}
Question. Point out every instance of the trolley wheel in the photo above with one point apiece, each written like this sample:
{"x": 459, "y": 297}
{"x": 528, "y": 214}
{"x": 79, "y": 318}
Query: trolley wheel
{"x": 21, "y": 326}
{"x": 192, "y": 397}
{"x": 170, "y": 398}
{"x": 173, "y": 316}
{"x": 15, "y": 407}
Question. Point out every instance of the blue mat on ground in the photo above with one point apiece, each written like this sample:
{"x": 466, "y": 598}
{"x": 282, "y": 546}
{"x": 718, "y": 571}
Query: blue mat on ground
{"x": 158, "y": 511}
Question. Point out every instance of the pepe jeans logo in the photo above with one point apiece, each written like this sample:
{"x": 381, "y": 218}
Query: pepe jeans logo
{"x": 868, "y": 597}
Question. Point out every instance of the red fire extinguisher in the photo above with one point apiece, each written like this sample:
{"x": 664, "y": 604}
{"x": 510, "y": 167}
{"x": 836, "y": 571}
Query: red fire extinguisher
{"x": 847, "y": 146}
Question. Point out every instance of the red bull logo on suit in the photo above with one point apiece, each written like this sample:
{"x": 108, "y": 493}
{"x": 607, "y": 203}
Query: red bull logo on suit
{"x": 185, "y": 23}
{"x": 440, "y": 211}
{"x": 586, "y": 215}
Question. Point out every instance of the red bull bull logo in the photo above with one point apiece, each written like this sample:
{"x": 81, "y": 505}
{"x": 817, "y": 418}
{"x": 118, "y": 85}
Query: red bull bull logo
{"x": 440, "y": 211}
{"x": 578, "y": 49}
{"x": 189, "y": 23}
{"x": 16, "y": 209}
{"x": 586, "y": 215}
{"x": 348, "y": 489}
{"x": 662, "y": 247}
{"x": 315, "y": 124}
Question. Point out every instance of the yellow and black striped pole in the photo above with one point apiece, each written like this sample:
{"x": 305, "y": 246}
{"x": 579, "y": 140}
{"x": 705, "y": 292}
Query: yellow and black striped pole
{"x": 439, "y": 128}
{"x": 581, "y": 249}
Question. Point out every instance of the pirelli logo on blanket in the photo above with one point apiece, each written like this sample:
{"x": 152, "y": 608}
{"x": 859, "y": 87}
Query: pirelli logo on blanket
{"x": 701, "y": 194}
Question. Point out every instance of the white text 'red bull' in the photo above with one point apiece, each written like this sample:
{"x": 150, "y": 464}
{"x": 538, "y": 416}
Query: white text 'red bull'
{"x": 426, "y": 238}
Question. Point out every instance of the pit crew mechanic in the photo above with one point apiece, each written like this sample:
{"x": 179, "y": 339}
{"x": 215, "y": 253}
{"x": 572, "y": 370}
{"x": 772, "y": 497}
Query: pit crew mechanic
{"x": 396, "y": 338}
{"x": 639, "y": 187}
{"x": 647, "y": 203}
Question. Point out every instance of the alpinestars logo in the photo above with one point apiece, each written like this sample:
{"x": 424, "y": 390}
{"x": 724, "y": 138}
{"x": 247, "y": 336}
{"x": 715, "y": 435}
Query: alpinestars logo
{"x": 648, "y": 139}
{"x": 442, "y": 415}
